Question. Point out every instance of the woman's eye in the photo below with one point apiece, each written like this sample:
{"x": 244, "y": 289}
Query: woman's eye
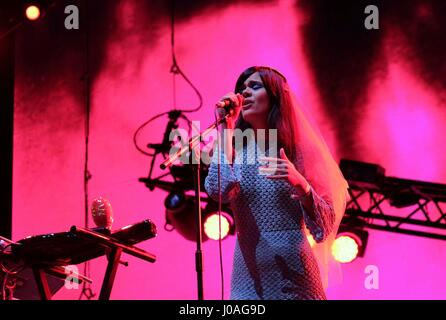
{"x": 257, "y": 86}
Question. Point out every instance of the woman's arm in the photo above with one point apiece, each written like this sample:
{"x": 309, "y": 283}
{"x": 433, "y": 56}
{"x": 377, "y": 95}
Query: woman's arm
{"x": 230, "y": 185}
{"x": 318, "y": 214}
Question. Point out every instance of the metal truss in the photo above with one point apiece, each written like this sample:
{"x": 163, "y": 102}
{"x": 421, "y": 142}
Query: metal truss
{"x": 398, "y": 205}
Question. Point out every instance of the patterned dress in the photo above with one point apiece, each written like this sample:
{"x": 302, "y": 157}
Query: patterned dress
{"x": 273, "y": 259}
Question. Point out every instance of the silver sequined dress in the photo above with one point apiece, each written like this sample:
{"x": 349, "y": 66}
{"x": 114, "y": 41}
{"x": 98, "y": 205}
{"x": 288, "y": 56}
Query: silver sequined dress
{"x": 273, "y": 259}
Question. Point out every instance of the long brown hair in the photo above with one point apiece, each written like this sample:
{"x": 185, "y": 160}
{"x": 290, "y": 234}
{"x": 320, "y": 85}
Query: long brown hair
{"x": 281, "y": 113}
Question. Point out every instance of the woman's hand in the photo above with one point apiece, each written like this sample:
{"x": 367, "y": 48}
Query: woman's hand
{"x": 237, "y": 101}
{"x": 226, "y": 135}
{"x": 283, "y": 169}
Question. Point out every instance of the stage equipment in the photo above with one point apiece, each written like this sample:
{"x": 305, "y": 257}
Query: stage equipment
{"x": 213, "y": 224}
{"x": 32, "y": 12}
{"x": 350, "y": 243}
{"x": 50, "y": 254}
{"x": 392, "y": 204}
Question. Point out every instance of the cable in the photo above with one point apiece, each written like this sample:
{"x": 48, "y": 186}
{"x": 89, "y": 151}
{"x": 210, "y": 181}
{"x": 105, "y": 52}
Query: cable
{"x": 135, "y": 135}
{"x": 190, "y": 124}
{"x": 86, "y": 290}
{"x": 178, "y": 70}
{"x": 175, "y": 68}
{"x": 219, "y": 211}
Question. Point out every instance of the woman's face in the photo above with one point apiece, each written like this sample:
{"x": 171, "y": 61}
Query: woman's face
{"x": 256, "y": 105}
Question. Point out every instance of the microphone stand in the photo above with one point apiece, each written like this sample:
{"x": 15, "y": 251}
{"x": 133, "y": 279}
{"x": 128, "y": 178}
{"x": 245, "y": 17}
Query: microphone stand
{"x": 193, "y": 142}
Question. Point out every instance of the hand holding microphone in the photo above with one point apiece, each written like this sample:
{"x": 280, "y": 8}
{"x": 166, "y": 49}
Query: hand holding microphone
{"x": 230, "y": 103}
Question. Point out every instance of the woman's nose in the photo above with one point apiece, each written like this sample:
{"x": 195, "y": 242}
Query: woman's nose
{"x": 246, "y": 93}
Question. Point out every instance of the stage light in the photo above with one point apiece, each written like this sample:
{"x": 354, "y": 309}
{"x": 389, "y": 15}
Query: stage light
{"x": 32, "y": 12}
{"x": 211, "y": 221}
{"x": 211, "y": 225}
{"x": 349, "y": 244}
{"x": 180, "y": 215}
{"x": 345, "y": 249}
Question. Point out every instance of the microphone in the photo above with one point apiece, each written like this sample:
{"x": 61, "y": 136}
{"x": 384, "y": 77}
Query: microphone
{"x": 102, "y": 213}
{"x": 227, "y": 104}
{"x": 224, "y": 104}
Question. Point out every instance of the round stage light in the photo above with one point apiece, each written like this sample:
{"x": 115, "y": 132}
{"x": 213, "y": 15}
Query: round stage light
{"x": 211, "y": 226}
{"x": 345, "y": 248}
{"x": 32, "y": 12}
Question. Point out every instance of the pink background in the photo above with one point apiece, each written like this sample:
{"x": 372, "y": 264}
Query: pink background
{"x": 400, "y": 126}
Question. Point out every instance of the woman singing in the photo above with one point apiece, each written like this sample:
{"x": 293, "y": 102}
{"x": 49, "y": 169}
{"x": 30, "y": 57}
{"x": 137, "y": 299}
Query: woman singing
{"x": 280, "y": 180}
